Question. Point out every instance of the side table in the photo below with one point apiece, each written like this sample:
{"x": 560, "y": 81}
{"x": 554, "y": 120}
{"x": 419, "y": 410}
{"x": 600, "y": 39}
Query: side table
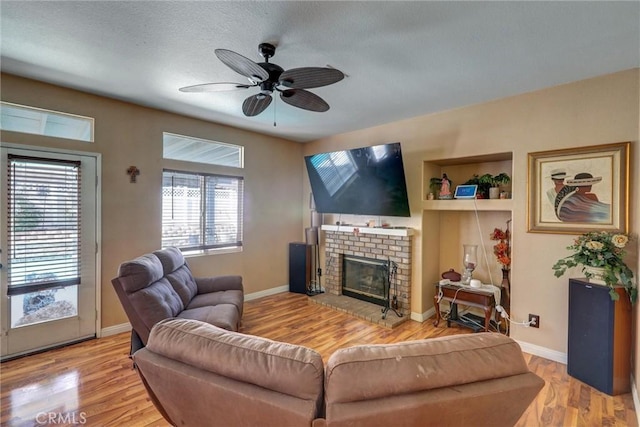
{"x": 466, "y": 295}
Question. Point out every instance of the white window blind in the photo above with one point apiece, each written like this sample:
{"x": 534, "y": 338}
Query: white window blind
{"x": 201, "y": 211}
{"x": 43, "y": 224}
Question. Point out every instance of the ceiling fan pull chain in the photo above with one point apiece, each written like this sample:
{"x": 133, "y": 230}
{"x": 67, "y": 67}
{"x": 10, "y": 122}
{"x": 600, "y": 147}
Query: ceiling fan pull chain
{"x": 275, "y": 101}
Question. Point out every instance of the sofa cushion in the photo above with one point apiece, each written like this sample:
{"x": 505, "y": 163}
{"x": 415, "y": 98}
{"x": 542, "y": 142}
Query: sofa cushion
{"x": 497, "y": 402}
{"x": 234, "y": 297}
{"x": 290, "y": 369}
{"x": 140, "y": 272}
{"x": 223, "y": 316}
{"x": 156, "y": 302}
{"x": 183, "y": 283}
{"x": 362, "y": 372}
{"x": 171, "y": 259}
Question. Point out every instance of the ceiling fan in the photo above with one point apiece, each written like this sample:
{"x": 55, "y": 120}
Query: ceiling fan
{"x": 268, "y": 77}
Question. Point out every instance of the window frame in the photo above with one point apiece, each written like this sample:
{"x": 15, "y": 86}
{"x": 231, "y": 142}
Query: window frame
{"x": 202, "y": 142}
{"x": 204, "y": 209}
{"x": 44, "y": 113}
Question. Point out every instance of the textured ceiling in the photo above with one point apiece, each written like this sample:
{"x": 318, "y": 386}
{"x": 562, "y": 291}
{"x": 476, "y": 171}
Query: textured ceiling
{"x": 403, "y": 59}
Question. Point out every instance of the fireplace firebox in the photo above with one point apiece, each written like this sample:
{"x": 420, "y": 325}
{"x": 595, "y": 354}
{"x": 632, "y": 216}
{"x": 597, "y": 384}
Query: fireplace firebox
{"x": 366, "y": 279}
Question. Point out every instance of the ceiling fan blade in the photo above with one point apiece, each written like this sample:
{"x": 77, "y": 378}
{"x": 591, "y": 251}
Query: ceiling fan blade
{"x": 241, "y": 65}
{"x": 215, "y": 87}
{"x": 310, "y": 77}
{"x": 256, "y": 104}
{"x": 304, "y": 99}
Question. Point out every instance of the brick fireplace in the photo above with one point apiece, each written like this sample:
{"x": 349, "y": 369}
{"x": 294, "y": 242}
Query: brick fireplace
{"x": 384, "y": 244}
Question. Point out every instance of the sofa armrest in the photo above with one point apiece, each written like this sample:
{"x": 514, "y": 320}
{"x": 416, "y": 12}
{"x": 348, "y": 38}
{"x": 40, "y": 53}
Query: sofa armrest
{"x": 219, "y": 283}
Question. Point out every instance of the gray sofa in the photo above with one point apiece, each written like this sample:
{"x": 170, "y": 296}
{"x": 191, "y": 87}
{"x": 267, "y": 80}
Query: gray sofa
{"x": 160, "y": 285}
{"x": 197, "y": 374}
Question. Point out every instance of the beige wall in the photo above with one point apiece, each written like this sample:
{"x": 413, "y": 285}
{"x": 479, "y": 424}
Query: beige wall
{"x": 127, "y": 134}
{"x": 590, "y": 112}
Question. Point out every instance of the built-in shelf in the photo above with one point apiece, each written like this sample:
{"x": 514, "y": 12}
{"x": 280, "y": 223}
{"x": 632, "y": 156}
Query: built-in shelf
{"x": 468, "y": 205}
{"x": 386, "y": 231}
{"x": 459, "y": 171}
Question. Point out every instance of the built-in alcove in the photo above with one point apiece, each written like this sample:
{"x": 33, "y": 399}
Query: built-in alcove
{"x": 449, "y": 224}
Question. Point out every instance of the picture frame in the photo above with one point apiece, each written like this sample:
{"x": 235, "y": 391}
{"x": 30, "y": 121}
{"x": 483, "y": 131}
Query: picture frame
{"x": 578, "y": 190}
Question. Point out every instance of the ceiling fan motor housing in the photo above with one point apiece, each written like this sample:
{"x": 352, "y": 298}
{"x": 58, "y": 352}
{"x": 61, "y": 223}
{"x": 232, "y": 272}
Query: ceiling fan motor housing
{"x": 267, "y": 50}
{"x": 269, "y": 85}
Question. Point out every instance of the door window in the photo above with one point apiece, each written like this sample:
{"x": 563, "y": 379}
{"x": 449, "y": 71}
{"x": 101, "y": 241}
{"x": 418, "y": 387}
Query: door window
{"x": 43, "y": 231}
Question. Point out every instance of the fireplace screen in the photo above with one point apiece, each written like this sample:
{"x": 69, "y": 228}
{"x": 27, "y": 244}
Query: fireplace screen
{"x": 365, "y": 278}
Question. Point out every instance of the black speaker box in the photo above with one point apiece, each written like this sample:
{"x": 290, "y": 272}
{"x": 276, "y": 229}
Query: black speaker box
{"x": 299, "y": 267}
{"x": 599, "y": 339}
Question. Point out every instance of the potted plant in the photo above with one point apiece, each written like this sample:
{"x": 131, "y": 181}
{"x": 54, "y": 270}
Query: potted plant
{"x": 601, "y": 254}
{"x": 486, "y": 182}
{"x": 496, "y": 181}
{"x": 501, "y": 179}
{"x": 434, "y": 186}
{"x": 483, "y": 182}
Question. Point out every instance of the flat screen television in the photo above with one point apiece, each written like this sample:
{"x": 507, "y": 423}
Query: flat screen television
{"x": 361, "y": 181}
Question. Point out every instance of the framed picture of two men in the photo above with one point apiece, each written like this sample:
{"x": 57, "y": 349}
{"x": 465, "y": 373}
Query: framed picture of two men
{"x": 577, "y": 190}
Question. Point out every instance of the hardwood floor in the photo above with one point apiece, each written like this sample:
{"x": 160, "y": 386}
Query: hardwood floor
{"x": 93, "y": 383}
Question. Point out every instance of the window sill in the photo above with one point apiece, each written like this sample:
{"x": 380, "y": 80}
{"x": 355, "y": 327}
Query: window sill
{"x": 207, "y": 252}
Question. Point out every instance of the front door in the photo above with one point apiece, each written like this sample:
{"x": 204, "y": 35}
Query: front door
{"x": 48, "y": 249}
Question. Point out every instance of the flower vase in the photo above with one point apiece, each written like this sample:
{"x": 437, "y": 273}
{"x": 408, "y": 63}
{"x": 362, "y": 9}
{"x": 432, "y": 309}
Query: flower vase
{"x": 506, "y": 288}
{"x": 505, "y": 279}
{"x": 595, "y": 275}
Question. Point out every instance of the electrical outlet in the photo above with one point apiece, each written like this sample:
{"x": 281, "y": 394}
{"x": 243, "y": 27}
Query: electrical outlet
{"x": 534, "y": 320}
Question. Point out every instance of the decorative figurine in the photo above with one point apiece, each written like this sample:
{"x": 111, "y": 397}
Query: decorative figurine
{"x": 445, "y": 188}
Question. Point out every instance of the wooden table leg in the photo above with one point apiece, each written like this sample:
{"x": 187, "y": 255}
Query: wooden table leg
{"x": 436, "y": 304}
{"x": 487, "y": 318}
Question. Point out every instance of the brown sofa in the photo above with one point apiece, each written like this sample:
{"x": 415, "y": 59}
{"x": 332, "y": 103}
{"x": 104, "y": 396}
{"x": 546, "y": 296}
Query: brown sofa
{"x": 197, "y": 374}
{"x": 160, "y": 285}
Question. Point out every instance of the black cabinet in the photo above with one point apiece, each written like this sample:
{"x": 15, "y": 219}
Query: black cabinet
{"x": 299, "y": 267}
{"x": 599, "y": 345}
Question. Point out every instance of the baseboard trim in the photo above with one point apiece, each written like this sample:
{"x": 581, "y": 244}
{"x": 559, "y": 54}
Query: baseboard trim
{"x": 536, "y": 350}
{"x": 266, "y": 292}
{"x": 424, "y": 316}
{"x": 115, "y": 329}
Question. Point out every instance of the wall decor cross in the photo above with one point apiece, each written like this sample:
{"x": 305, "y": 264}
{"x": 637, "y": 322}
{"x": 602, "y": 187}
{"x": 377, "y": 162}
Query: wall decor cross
{"x": 133, "y": 172}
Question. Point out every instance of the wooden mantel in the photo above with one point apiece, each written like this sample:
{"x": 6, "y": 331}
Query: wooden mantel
{"x": 385, "y": 231}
